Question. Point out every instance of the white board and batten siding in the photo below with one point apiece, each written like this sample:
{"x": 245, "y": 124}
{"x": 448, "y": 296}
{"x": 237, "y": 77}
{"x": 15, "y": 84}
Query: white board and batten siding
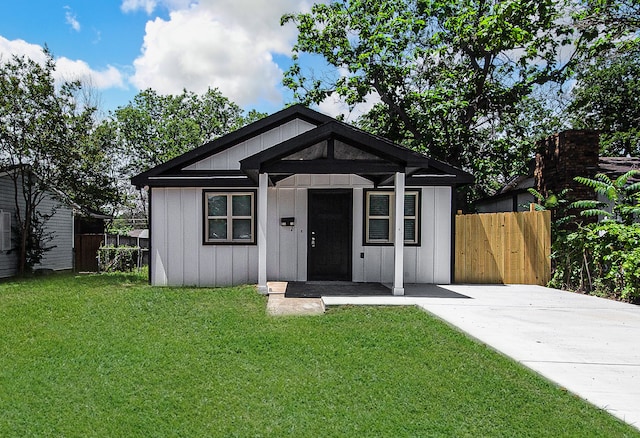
{"x": 178, "y": 253}
{"x": 428, "y": 263}
{"x": 229, "y": 159}
{"x": 179, "y": 256}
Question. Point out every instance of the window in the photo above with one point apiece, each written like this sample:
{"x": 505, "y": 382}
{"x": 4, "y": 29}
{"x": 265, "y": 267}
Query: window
{"x": 5, "y": 231}
{"x": 379, "y": 217}
{"x": 229, "y": 217}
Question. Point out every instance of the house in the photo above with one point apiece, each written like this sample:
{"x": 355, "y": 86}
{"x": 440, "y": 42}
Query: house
{"x": 299, "y": 196}
{"x": 60, "y": 224}
{"x": 69, "y": 223}
{"x": 559, "y": 159}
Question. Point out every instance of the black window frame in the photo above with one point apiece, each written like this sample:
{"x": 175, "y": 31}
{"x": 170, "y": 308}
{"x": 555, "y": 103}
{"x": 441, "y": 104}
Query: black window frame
{"x": 229, "y": 193}
{"x": 391, "y": 192}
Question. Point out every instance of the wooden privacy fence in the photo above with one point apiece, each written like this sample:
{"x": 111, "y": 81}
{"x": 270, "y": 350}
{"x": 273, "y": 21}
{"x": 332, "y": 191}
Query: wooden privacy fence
{"x": 87, "y": 246}
{"x": 507, "y": 248}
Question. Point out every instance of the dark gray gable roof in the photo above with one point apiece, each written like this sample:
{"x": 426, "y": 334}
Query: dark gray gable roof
{"x": 392, "y": 158}
{"x": 220, "y": 144}
{"x": 613, "y": 167}
{"x": 386, "y": 157}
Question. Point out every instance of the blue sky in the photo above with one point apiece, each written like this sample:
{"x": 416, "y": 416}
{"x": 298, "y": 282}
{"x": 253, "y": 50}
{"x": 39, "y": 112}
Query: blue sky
{"x": 123, "y": 46}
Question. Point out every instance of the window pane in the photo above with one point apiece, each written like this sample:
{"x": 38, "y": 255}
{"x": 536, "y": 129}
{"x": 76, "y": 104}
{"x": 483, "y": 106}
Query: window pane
{"x": 217, "y": 205}
{"x": 217, "y": 229}
{"x": 241, "y": 205}
{"x": 241, "y": 229}
{"x": 378, "y": 229}
{"x": 378, "y": 205}
{"x": 409, "y": 205}
{"x": 410, "y": 230}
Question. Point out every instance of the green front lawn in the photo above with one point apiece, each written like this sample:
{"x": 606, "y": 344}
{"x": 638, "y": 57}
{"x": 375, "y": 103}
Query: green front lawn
{"x": 111, "y": 356}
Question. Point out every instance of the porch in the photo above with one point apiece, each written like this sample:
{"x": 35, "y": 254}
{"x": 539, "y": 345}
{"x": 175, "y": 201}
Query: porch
{"x": 319, "y": 289}
{"x": 308, "y": 298}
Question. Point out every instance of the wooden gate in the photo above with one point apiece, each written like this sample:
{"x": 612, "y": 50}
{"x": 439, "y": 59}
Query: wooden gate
{"x": 86, "y": 247}
{"x": 507, "y": 248}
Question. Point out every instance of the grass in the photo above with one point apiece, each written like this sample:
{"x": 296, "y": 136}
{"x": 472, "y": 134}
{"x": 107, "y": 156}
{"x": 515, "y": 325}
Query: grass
{"x": 111, "y": 356}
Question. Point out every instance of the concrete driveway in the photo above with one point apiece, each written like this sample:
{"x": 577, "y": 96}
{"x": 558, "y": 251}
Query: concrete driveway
{"x": 588, "y": 345}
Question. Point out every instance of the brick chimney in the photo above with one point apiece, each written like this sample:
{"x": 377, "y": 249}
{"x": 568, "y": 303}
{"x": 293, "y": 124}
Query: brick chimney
{"x": 563, "y": 156}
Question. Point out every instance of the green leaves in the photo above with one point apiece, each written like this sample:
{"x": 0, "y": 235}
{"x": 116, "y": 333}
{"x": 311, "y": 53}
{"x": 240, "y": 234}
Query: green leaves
{"x": 601, "y": 258}
{"x": 623, "y": 197}
{"x": 46, "y": 138}
{"x": 453, "y": 78}
{"x": 607, "y": 98}
{"x": 155, "y": 128}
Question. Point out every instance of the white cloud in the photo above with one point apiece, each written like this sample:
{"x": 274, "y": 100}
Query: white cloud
{"x": 21, "y": 48}
{"x": 335, "y": 106}
{"x": 71, "y": 19}
{"x": 66, "y": 69}
{"x": 224, "y": 44}
{"x": 134, "y": 5}
{"x": 150, "y": 5}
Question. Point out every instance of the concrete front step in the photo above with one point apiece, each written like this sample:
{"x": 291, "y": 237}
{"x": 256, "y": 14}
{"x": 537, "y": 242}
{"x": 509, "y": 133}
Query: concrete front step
{"x": 279, "y": 305}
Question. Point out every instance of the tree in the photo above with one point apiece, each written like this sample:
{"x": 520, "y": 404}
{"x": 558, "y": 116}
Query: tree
{"x": 607, "y": 98}
{"x": 44, "y": 142}
{"x": 154, "y": 128}
{"x": 449, "y": 74}
{"x": 620, "y": 17}
{"x": 603, "y": 257}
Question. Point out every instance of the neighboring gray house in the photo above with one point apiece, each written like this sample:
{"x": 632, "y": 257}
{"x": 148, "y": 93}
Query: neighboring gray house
{"x": 61, "y": 223}
{"x": 299, "y": 196}
{"x": 559, "y": 159}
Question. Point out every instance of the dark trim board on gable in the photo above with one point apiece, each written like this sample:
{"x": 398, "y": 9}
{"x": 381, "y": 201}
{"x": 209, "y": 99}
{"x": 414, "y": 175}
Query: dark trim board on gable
{"x": 202, "y": 178}
{"x": 393, "y": 158}
{"x": 354, "y": 137}
{"x": 378, "y": 160}
{"x": 229, "y": 140}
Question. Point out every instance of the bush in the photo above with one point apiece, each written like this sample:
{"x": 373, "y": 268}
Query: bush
{"x": 602, "y": 259}
{"x": 118, "y": 259}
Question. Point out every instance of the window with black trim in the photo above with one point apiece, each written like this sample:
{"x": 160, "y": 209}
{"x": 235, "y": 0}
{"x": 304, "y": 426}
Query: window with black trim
{"x": 229, "y": 217}
{"x": 379, "y": 217}
{"x": 5, "y": 231}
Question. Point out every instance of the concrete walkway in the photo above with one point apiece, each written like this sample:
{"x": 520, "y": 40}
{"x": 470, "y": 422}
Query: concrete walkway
{"x": 278, "y": 305}
{"x": 588, "y": 345}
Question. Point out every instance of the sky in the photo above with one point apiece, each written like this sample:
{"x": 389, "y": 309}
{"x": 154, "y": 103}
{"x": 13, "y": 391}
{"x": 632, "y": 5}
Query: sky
{"x": 120, "y": 47}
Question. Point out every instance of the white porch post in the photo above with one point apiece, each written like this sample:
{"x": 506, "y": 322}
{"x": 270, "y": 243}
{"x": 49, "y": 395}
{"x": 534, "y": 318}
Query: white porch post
{"x": 398, "y": 236}
{"x": 263, "y": 184}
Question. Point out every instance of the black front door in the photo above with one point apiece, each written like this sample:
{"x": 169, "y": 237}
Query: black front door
{"x": 329, "y": 235}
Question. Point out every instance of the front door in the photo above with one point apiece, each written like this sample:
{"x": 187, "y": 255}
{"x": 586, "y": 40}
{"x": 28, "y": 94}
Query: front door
{"x": 329, "y": 235}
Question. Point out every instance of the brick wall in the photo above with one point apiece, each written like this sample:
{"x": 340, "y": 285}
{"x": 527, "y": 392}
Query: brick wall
{"x": 563, "y": 156}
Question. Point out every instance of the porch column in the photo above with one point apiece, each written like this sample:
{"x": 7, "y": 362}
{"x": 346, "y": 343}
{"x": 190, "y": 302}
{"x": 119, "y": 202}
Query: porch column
{"x": 398, "y": 236}
{"x": 263, "y": 183}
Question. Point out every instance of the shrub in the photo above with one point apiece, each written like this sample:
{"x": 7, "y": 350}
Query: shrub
{"x": 602, "y": 259}
{"x": 118, "y": 259}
